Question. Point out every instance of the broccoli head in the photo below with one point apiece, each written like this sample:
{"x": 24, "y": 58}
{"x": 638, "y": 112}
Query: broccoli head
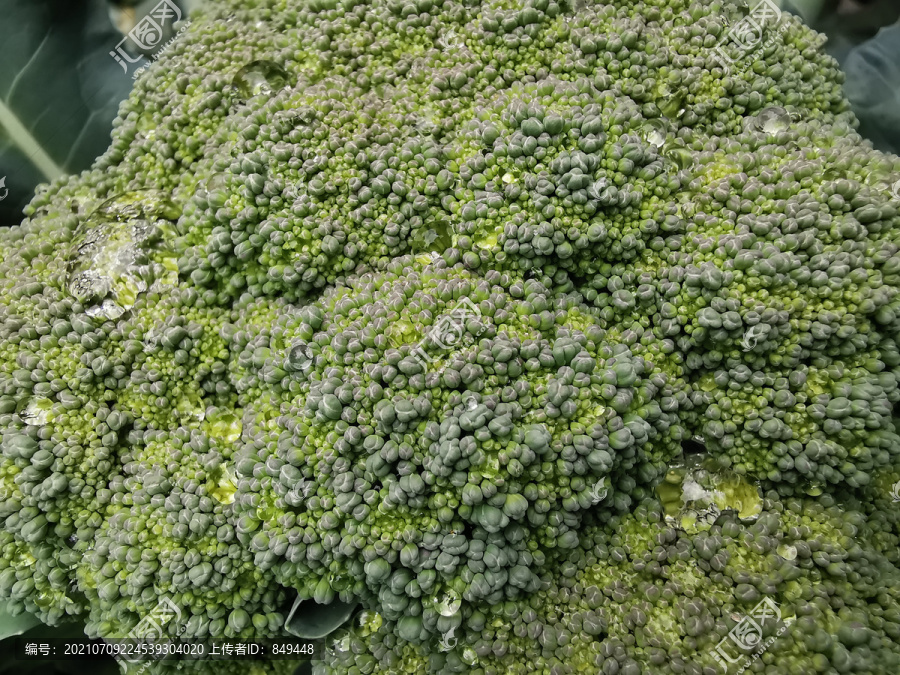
{"x": 424, "y": 307}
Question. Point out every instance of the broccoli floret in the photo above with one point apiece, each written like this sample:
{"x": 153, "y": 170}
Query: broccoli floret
{"x": 813, "y": 425}
{"x": 96, "y": 342}
{"x": 413, "y": 305}
{"x": 642, "y": 595}
{"x": 426, "y": 435}
{"x": 169, "y": 534}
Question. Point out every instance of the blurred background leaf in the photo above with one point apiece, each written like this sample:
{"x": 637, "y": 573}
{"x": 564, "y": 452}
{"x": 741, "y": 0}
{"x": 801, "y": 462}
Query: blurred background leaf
{"x": 873, "y": 86}
{"x": 15, "y": 625}
{"x": 59, "y": 92}
{"x": 59, "y": 89}
{"x": 309, "y": 619}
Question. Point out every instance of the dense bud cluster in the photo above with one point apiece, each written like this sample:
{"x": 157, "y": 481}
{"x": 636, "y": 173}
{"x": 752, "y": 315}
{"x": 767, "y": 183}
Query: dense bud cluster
{"x": 426, "y": 432}
{"x": 414, "y": 304}
{"x": 642, "y": 596}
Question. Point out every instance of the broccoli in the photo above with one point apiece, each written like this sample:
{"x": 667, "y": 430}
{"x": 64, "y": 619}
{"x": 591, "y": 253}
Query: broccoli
{"x": 168, "y": 526}
{"x": 426, "y": 436}
{"x": 432, "y": 310}
{"x": 642, "y": 596}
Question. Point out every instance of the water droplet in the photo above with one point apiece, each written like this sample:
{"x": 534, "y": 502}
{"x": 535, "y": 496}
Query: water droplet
{"x": 469, "y": 656}
{"x": 695, "y": 492}
{"x": 655, "y": 132}
{"x": 508, "y": 178}
{"x": 223, "y": 425}
{"x": 342, "y": 645}
{"x": 773, "y": 120}
{"x": 472, "y": 404}
{"x": 680, "y": 157}
{"x": 116, "y": 253}
{"x": 448, "y": 604}
{"x": 671, "y": 100}
{"x": 222, "y": 484}
{"x": 300, "y": 357}
{"x": 487, "y": 240}
{"x": 787, "y": 552}
{"x": 259, "y": 77}
{"x": 37, "y": 412}
{"x": 451, "y": 41}
{"x": 428, "y": 258}
{"x": 432, "y": 237}
{"x": 169, "y": 272}
{"x": 880, "y": 177}
{"x": 188, "y": 411}
{"x": 108, "y": 310}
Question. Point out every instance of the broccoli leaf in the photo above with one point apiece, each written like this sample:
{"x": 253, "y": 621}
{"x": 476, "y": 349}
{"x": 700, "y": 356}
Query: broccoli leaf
{"x": 873, "y": 87}
{"x": 15, "y": 625}
{"x": 308, "y": 619}
{"x": 59, "y": 93}
{"x": 809, "y": 10}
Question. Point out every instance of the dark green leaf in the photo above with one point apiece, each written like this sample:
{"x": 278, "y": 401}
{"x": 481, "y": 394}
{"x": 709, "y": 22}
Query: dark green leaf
{"x": 308, "y": 619}
{"x": 873, "y": 87}
{"x": 15, "y": 625}
{"x": 810, "y": 10}
{"x": 59, "y": 93}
